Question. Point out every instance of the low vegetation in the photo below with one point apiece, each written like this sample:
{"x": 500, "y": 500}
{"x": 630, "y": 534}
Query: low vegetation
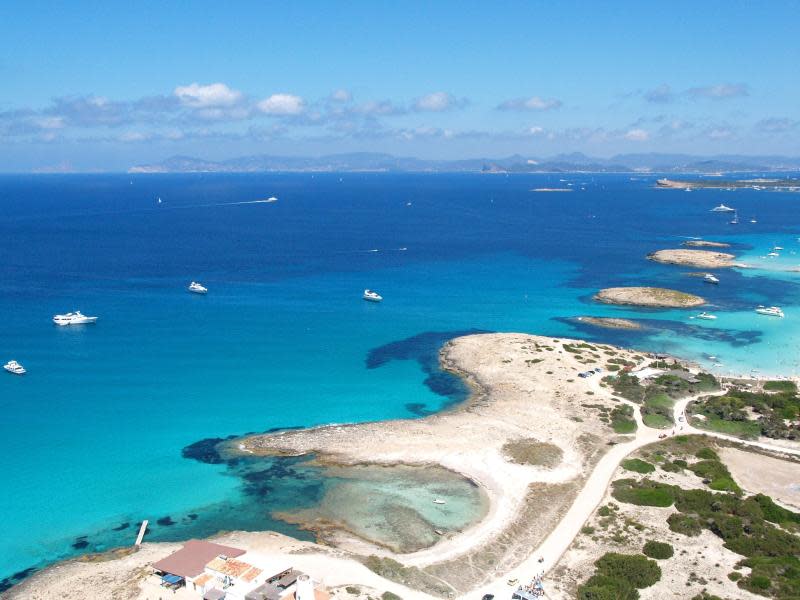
{"x": 762, "y": 532}
{"x": 658, "y": 395}
{"x": 773, "y": 413}
{"x": 658, "y": 550}
{"x": 619, "y": 577}
{"x": 622, "y": 420}
{"x": 637, "y": 465}
{"x": 533, "y": 452}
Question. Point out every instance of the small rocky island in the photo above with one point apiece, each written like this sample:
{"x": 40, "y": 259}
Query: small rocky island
{"x": 610, "y": 322}
{"x": 653, "y": 297}
{"x": 703, "y": 259}
{"x": 705, "y": 244}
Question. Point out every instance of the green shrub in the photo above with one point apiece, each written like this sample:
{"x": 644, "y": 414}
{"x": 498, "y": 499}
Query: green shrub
{"x": 707, "y": 454}
{"x": 780, "y": 386}
{"x": 716, "y": 473}
{"x": 685, "y": 524}
{"x": 644, "y": 493}
{"x": 637, "y": 465}
{"x": 638, "y": 570}
{"x": 603, "y": 587}
{"x": 657, "y": 550}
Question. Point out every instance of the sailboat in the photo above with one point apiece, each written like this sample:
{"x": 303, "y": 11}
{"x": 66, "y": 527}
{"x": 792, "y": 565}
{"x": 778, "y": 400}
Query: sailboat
{"x": 735, "y": 220}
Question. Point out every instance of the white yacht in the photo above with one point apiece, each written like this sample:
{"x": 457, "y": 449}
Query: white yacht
{"x": 706, "y": 316}
{"x": 14, "y": 368}
{"x": 73, "y": 318}
{"x": 710, "y": 278}
{"x": 776, "y": 248}
{"x": 722, "y": 208}
{"x": 371, "y": 296}
{"x": 770, "y": 311}
{"x": 196, "y": 288}
{"x": 773, "y": 254}
{"x": 439, "y": 501}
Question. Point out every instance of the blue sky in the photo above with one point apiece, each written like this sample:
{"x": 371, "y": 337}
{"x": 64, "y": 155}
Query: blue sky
{"x": 104, "y": 85}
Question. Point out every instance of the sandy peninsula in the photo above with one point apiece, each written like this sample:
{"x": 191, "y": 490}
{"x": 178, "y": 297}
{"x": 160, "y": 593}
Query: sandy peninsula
{"x": 705, "y": 244}
{"x": 703, "y": 259}
{"x": 654, "y": 297}
{"x": 530, "y": 435}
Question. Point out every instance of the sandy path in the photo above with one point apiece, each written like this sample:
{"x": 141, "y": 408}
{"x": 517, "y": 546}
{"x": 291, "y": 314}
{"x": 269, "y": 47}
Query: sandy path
{"x": 589, "y": 498}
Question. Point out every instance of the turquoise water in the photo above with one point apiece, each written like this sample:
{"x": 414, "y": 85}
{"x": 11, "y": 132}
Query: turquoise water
{"x": 94, "y": 433}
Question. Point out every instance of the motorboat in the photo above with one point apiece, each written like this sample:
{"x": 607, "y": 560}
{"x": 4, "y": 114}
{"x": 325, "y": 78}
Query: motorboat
{"x": 439, "y": 501}
{"x": 773, "y": 254}
{"x": 770, "y": 311}
{"x": 14, "y": 368}
{"x": 196, "y": 288}
{"x": 776, "y": 248}
{"x": 735, "y": 219}
{"x": 73, "y": 318}
{"x": 710, "y": 278}
{"x": 723, "y": 208}
{"x": 371, "y": 296}
{"x": 706, "y": 316}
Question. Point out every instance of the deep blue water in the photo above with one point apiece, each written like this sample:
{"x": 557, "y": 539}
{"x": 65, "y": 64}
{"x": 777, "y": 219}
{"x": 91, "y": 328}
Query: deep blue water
{"x": 94, "y": 433}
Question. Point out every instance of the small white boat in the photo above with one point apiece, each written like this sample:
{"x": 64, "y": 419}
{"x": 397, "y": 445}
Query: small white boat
{"x": 773, "y": 254}
{"x": 272, "y": 199}
{"x": 196, "y": 288}
{"x": 753, "y": 221}
{"x": 73, "y": 318}
{"x": 14, "y": 368}
{"x": 776, "y": 248}
{"x": 706, "y": 316}
{"x": 770, "y": 311}
{"x": 735, "y": 220}
{"x": 722, "y": 208}
{"x": 371, "y": 296}
{"x": 439, "y": 501}
{"x": 710, "y": 278}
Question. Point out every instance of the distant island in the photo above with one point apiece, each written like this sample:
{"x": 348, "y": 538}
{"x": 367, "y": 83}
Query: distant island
{"x": 652, "y": 297}
{"x": 704, "y": 259}
{"x": 759, "y": 183}
{"x": 562, "y": 163}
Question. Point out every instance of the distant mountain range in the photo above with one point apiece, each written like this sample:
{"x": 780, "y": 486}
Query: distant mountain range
{"x": 562, "y": 163}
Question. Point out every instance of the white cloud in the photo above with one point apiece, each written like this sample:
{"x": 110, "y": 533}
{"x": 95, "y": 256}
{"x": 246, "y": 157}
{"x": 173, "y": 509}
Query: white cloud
{"x": 341, "y": 95}
{"x": 207, "y": 96}
{"x": 660, "y": 95}
{"x": 720, "y": 133}
{"x": 721, "y": 91}
{"x": 532, "y": 103}
{"x": 437, "y": 102}
{"x": 282, "y": 104}
{"x": 637, "y": 135}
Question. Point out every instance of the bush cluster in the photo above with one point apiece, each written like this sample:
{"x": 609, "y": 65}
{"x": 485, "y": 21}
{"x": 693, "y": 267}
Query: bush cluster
{"x": 619, "y": 577}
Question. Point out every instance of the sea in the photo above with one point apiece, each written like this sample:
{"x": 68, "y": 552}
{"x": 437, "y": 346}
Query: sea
{"x": 118, "y": 421}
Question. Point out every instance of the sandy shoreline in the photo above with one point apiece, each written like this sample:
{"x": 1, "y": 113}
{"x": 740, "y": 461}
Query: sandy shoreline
{"x": 526, "y": 394}
{"x": 524, "y": 388}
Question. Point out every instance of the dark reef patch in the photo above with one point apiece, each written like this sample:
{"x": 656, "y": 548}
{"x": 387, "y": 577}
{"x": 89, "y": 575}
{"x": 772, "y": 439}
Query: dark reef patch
{"x": 418, "y": 409}
{"x": 80, "y": 542}
{"x": 205, "y": 450}
{"x": 121, "y": 527}
{"x": 165, "y": 521}
{"x": 424, "y": 349}
{"x": 8, "y": 582}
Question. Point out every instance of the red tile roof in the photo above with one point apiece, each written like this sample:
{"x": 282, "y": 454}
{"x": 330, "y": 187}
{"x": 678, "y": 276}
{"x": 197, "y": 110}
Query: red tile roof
{"x": 190, "y": 560}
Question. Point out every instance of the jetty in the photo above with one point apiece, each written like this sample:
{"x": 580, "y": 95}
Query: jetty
{"x": 142, "y": 531}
